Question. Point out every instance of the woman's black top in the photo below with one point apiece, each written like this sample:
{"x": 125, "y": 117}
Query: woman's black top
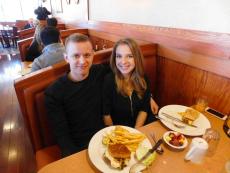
{"x": 123, "y": 109}
{"x": 33, "y": 51}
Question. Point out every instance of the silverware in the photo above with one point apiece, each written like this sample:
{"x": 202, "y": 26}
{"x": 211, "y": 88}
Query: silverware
{"x": 176, "y": 119}
{"x": 139, "y": 166}
{"x": 171, "y": 121}
{"x": 159, "y": 142}
{"x": 159, "y": 150}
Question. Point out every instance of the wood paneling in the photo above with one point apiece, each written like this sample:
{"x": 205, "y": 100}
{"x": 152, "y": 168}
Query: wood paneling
{"x": 106, "y": 40}
{"x": 206, "y": 43}
{"x": 179, "y": 83}
{"x": 26, "y": 33}
{"x": 23, "y": 45}
{"x": 65, "y": 33}
{"x": 203, "y": 62}
{"x": 100, "y": 43}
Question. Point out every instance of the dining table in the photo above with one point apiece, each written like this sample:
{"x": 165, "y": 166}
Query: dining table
{"x": 25, "y": 67}
{"x": 170, "y": 161}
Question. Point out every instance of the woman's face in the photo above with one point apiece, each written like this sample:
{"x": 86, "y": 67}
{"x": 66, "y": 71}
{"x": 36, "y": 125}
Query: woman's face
{"x": 124, "y": 60}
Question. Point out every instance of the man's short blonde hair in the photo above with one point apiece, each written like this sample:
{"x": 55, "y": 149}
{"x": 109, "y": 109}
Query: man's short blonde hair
{"x": 77, "y": 38}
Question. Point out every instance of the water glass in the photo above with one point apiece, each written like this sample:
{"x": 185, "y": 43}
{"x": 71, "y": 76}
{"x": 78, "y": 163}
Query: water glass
{"x": 212, "y": 137}
{"x": 226, "y": 168}
{"x": 201, "y": 104}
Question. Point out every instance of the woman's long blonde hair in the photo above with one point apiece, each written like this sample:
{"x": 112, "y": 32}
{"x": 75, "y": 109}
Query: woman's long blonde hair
{"x": 137, "y": 80}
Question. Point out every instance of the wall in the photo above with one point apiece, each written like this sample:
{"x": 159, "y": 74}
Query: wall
{"x": 203, "y": 15}
{"x": 73, "y": 11}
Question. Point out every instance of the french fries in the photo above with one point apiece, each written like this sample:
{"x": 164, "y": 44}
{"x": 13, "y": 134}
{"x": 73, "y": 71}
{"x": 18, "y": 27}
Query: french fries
{"x": 122, "y": 136}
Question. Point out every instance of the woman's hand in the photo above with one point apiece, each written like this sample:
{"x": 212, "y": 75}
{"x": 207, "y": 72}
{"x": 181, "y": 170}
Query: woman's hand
{"x": 108, "y": 120}
{"x": 154, "y": 106}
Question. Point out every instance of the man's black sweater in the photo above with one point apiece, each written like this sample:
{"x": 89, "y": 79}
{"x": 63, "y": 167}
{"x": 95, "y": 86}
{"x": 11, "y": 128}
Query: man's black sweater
{"x": 75, "y": 109}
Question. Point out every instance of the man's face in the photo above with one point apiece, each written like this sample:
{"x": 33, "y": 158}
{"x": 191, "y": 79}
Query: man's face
{"x": 80, "y": 57}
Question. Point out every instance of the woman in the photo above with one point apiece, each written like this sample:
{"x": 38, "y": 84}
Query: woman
{"x": 35, "y": 49}
{"x": 126, "y": 92}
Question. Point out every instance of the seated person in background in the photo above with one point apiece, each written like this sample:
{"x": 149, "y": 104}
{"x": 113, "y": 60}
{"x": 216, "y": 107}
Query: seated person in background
{"x": 35, "y": 48}
{"x": 53, "y": 51}
{"x": 126, "y": 91}
{"x": 30, "y": 24}
{"x": 73, "y": 102}
{"x": 52, "y": 22}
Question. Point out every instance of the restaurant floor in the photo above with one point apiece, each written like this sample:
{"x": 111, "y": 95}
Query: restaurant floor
{"x": 16, "y": 153}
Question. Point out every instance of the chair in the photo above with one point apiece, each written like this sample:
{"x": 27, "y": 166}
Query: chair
{"x": 1, "y": 39}
{"x": 6, "y": 38}
{"x": 14, "y": 37}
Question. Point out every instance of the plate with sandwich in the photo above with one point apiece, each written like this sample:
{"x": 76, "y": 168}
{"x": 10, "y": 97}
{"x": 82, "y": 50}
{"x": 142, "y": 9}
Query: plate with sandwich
{"x": 183, "y": 119}
{"x": 113, "y": 149}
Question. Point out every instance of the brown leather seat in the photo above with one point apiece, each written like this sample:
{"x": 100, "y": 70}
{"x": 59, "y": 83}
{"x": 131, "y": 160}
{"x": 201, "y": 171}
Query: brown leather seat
{"x": 47, "y": 155}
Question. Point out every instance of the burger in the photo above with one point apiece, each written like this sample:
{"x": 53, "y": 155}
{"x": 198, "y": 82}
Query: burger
{"x": 117, "y": 155}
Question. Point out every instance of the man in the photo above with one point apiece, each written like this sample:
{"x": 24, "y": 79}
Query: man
{"x": 73, "y": 102}
{"x": 52, "y": 22}
{"x": 53, "y": 51}
{"x": 29, "y": 24}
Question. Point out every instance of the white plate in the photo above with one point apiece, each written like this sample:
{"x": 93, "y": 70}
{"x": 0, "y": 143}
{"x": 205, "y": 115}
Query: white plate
{"x": 96, "y": 151}
{"x": 201, "y": 122}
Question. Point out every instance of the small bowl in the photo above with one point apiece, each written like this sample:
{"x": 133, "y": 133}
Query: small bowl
{"x": 185, "y": 141}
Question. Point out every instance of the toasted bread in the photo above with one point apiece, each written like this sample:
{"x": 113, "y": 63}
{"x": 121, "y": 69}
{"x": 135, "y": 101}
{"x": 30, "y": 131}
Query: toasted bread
{"x": 189, "y": 115}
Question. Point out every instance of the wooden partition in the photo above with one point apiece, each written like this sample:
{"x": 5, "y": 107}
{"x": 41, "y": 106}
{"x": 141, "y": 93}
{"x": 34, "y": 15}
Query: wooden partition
{"x": 190, "y": 64}
{"x": 20, "y": 24}
{"x": 68, "y": 32}
{"x": 26, "y": 33}
{"x": 23, "y": 45}
{"x": 181, "y": 83}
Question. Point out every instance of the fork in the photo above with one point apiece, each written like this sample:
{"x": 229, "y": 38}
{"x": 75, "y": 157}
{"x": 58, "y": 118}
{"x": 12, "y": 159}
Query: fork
{"x": 159, "y": 150}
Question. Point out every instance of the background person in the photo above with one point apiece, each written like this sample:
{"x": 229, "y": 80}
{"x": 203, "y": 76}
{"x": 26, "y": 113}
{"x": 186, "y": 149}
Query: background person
{"x": 53, "y": 51}
{"x": 35, "y": 49}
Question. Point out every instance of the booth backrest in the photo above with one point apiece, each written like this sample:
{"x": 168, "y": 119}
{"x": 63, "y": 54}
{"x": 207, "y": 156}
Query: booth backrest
{"x": 68, "y": 32}
{"x": 26, "y": 33}
{"x": 30, "y": 93}
{"x": 24, "y": 44}
{"x": 61, "y": 26}
{"x": 20, "y": 24}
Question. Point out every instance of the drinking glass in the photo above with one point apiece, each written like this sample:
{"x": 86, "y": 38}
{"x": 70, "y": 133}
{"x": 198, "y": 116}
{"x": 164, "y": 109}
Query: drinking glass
{"x": 201, "y": 104}
{"x": 226, "y": 168}
{"x": 212, "y": 137}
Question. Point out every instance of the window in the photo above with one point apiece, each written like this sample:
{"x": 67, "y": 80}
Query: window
{"x": 11, "y": 10}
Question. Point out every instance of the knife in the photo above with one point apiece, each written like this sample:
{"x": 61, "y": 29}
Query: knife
{"x": 176, "y": 119}
{"x": 159, "y": 142}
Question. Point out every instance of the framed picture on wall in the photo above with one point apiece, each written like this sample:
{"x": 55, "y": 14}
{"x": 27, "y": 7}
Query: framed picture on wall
{"x": 56, "y": 6}
{"x": 68, "y": 2}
